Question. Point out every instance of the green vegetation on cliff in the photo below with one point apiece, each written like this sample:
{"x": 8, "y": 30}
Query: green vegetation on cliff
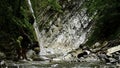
{"x": 107, "y": 23}
{"x": 44, "y": 4}
{"x": 15, "y": 19}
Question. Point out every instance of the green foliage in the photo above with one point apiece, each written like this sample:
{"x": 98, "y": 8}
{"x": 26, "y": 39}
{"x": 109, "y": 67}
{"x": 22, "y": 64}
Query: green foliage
{"x": 54, "y": 4}
{"x": 14, "y": 15}
{"x": 107, "y": 19}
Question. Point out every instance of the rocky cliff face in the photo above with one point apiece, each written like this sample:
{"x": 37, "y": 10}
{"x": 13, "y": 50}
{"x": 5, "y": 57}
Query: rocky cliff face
{"x": 65, "y": 25}
{"x": 61, "y": 26}
{"x": 65, "y": 30}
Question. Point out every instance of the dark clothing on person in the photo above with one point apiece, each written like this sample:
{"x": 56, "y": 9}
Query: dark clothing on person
{"x": 25, "y": 42}
{"x": 25, "y": 45}
{"x": 35, "y": 46}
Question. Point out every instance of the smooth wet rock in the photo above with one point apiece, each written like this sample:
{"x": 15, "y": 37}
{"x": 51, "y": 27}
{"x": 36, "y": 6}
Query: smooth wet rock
{"x": 2, "y": 55}
{"x": 96, "y": 44}
{"x": 69, "y": 57}
{"x": 44, "y": 58}
{"x": 57, "y": 59}
{"x": 83, "y": 54}
{"x": 74, "y": 53}
{"x": 113, "y": 49}
{"x": 103, "y": 57}
{"x": 54, "y": 65}
{"x": 2, "y": 64}
{"x": 112, "y": 60}
{"x": 90, "y": 58}
{"x": 31, "y": 54}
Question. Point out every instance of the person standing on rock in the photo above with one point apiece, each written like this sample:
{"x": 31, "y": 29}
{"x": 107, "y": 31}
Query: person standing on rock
{"x": 25, "y": 43}
{"x": 22, "y": 46}
{"x": 19, "y": 47}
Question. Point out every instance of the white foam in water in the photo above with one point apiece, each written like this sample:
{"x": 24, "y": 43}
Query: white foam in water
{"x": 66, "y": 36}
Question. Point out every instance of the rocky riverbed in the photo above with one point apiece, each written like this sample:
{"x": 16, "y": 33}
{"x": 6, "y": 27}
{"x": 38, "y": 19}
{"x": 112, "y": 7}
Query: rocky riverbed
{"x": 90, "y": 60}
{"x": 100, "y": 55}
{"x": 47, "y": 64}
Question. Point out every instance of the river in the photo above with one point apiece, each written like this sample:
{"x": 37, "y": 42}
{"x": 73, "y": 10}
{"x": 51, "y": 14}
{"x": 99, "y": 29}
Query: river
{"x": 47, "y": 64}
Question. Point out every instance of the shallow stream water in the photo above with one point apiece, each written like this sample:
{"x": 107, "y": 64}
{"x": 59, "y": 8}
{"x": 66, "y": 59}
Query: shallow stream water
{"x": 47, "y": 64}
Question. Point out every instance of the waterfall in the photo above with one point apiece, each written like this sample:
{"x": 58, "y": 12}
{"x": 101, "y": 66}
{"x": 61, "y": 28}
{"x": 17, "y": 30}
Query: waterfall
{"x": 63, "y": 33}
{"x": 66, "y": 32}
{"x": 35, "y": 25}
{"x": 66, "y": 37}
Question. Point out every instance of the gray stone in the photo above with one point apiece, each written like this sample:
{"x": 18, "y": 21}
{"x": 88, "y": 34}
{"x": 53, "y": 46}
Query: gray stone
{"x": 113, "y": 49}
{"x": 96, "y": 44}
{"x": 31, "y": 55}
{"x": 2, "y": 55}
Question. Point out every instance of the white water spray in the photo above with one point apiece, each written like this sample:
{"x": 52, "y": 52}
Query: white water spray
{"x": 64, "y": 35}
{"x": 35, "y": 25}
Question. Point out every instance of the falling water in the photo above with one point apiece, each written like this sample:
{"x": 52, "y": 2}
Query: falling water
{"x": 66, "y": 37}
{"x": 35, "y": 24}
{"x": 64, "y": 33}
